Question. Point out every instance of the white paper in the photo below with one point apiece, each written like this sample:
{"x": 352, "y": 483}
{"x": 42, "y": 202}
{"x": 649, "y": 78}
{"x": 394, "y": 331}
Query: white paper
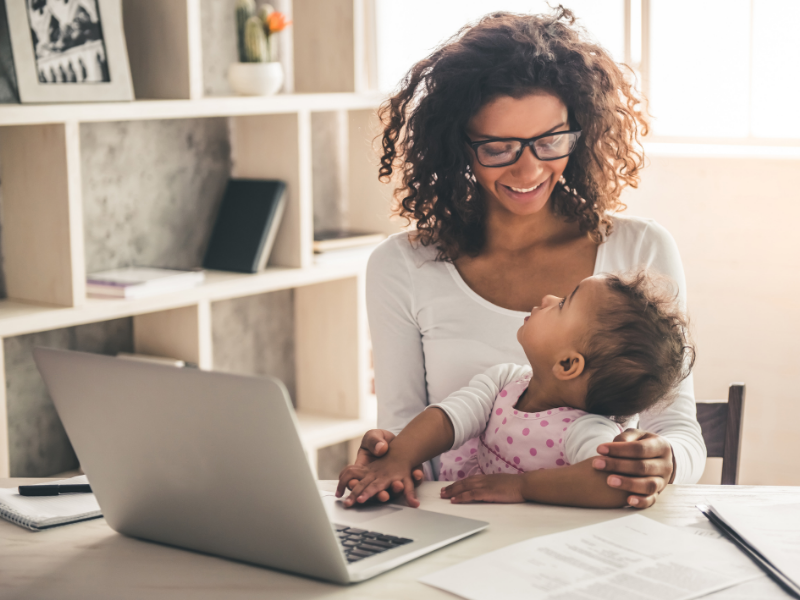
{"x": 773, "y": 530}
{"x": 44, "y": 510}
{"x": 762, "y": 588}
{"x": 633, "y": 557}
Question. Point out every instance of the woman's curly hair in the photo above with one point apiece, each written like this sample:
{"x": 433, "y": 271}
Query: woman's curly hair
{"x": 507, "y": 54}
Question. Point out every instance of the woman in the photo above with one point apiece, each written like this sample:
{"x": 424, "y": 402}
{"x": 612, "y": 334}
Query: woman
{"x": 514, "y": 141}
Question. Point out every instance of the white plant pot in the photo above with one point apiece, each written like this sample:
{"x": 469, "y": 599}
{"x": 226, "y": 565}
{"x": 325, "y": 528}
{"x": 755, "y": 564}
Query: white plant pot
{"x": 255, "y": 79}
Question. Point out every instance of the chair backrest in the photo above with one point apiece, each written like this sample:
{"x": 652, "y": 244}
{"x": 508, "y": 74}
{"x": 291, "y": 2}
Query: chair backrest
{"x": 721, "y": 423}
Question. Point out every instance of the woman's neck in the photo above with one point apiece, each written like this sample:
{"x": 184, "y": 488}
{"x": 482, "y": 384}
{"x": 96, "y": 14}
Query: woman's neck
{"x": 508, "y": 233}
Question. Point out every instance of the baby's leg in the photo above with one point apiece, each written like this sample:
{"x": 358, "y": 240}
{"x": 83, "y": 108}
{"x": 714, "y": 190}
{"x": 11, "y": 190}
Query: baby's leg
{"x": 460, "y": 463}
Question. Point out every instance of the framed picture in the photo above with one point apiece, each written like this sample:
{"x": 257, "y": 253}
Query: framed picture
{"x": 69, "y": 50}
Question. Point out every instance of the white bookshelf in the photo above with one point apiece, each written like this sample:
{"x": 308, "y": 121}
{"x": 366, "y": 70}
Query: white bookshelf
{"x": 43, "y": 224}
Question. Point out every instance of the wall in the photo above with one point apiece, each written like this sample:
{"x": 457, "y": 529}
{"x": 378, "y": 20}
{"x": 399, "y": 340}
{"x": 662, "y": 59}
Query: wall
{"x": 735, "y": 221}
{"x": 38, "y": 444}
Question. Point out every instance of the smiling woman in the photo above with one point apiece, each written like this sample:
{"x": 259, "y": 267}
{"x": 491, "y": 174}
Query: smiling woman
{"x": 511, "y": 205}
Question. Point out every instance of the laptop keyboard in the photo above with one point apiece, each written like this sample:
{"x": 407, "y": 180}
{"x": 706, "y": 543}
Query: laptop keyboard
{"x": 360, "y": 543}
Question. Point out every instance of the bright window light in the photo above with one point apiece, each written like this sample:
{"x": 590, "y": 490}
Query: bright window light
{"x": 410, "y": 30}
{"x": 776, "y": 75}
{"x": 700, "y": 67}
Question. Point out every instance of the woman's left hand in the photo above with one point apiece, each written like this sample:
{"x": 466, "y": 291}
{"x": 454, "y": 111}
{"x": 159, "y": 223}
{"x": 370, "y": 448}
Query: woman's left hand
{"x": 639, "y": 462}
{"x": 485, "y": 488}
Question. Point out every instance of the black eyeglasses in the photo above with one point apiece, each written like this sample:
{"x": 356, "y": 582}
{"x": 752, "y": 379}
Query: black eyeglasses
{"x": 501, "y": 152}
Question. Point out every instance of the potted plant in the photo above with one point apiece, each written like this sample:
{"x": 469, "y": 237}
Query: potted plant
{"x": 257, "y": 73}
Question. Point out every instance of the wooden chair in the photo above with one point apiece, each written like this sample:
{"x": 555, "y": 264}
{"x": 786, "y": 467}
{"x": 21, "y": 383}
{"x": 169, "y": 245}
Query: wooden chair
{"x": 721, "y": 423}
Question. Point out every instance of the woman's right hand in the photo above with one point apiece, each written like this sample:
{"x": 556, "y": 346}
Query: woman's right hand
{"x": 375, "y": 444}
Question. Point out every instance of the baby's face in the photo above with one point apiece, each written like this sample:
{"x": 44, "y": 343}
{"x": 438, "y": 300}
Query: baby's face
{"x": 561, "y": 324}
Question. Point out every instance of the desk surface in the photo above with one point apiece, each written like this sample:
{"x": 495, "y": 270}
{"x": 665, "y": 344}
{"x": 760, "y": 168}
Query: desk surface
{"x": 89, "y": 560}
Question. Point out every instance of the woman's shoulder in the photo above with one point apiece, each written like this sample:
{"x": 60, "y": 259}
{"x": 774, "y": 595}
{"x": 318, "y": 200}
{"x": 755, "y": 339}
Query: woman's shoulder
{"x": 636, "y": 243}
{"x": 639, "y": 239}
{"x": 401, "y": 249}
{"x": 633, "y": 229}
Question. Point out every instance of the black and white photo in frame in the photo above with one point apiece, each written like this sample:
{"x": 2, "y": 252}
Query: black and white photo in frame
{"x": 69, "y": 50}
{"x": 67, "y": 37}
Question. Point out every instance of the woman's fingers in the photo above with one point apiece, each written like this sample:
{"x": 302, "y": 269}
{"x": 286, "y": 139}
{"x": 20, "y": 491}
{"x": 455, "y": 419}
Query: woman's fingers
{"x": 633, "y": 443}
{"x": 418, "y": 474}
{"x": 641, "y": 501}
{"x": 641, "y": 486}
{"x": 656, "y": 467}
{"x": 374, "y": 444}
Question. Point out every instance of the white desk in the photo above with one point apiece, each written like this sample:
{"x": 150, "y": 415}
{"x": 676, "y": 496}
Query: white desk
{"x": 87, "y": 561}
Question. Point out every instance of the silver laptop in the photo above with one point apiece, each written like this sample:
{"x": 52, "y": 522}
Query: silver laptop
{"x": 213, "y": 462}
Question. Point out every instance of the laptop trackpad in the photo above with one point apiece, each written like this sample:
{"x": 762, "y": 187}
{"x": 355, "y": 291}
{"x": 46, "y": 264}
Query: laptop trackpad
{"x": 354, "y": 516}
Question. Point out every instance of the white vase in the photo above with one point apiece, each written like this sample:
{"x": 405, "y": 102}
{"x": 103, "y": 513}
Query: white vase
{"x": 255, "y": 79}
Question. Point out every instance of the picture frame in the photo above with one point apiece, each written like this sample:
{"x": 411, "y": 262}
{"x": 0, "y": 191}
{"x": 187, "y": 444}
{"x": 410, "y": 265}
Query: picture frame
{"x": 68, "y": 50}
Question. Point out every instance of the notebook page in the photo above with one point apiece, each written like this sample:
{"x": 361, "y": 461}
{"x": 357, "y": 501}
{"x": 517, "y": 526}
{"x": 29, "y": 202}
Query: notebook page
{"x": 42, "y": 511}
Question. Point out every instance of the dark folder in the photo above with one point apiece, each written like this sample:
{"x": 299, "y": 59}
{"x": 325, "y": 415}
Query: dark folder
{"x": 246, "y": 225}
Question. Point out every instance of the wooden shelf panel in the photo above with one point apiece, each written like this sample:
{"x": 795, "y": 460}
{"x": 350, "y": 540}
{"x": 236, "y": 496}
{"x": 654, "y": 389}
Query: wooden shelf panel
{"x": 319, "y": 431}
{"x": 19, "y": 318}
{"x": 34, "y": 114}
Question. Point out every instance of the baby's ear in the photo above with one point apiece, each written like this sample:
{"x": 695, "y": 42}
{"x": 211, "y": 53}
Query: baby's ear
{"x": 569, "y": 367}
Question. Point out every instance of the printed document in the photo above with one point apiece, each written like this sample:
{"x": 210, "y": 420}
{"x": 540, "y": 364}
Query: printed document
{"x": 633, "y": 557}
{"x": 772, "y": 530}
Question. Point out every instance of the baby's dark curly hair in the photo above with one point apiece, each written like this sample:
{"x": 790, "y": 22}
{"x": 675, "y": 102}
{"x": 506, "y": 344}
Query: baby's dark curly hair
{"x": 639, "y": 348}
{"x": 507, "y": 54}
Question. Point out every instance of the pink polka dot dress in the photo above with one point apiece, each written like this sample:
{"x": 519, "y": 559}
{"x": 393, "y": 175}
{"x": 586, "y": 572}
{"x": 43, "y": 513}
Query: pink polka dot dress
{"x": 513, "y": 441}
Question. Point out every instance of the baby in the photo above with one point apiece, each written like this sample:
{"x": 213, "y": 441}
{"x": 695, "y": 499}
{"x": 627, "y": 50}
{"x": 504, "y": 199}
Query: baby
{"x": 614, "y": 347}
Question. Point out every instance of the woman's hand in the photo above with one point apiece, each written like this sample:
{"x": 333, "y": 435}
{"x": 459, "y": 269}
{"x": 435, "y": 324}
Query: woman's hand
{"x": 639, "y": 462}
{"x": 485, "y": 488}
{"x": 375, "y": 444}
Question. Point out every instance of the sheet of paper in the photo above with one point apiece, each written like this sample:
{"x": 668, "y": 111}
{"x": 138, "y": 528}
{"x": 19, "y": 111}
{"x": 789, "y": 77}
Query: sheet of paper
{"x": 762, "y": 588}
{"x": 44, "y": 508}
{"x": 633, "y": 557}
{"x": 773, "y": 530}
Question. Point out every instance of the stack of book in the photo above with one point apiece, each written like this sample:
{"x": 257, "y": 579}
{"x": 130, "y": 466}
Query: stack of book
{"x": 339, "y": 246}
{"x": 140, "y": 282}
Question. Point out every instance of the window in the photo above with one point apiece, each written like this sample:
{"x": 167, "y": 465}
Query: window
{"x": 408, "y": 31}
{"x": 716, "y": 69}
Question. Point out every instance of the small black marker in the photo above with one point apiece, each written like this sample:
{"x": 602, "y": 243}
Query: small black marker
{"x": 54, "y": 490}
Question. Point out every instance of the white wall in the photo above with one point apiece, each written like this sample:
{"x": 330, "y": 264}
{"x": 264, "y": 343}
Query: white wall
{"x": 737, "y": 224}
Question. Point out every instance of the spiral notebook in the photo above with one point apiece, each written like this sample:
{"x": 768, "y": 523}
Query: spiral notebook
{"x": 42, "y": 512}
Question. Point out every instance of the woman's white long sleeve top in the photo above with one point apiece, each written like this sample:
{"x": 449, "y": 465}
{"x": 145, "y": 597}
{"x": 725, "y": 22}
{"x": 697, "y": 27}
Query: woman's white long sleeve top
{"x": 431, "y": 333}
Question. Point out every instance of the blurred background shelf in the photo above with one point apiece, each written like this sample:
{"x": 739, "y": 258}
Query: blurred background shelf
{"x": 233, "y": 106}
{"x": 96, "y": 186}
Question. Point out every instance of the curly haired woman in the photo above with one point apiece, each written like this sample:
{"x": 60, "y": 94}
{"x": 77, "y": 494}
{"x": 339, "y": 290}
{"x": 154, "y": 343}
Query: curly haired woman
{"x": 513, "y": 142}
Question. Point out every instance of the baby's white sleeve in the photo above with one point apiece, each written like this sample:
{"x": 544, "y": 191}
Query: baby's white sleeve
{"x": 585, "y": 434}
{"x": 469, "y": 408}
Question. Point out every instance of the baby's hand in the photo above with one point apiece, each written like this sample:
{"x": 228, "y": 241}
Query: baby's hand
{"x": 375, "y": 477}
{"x": 485, "y": 488}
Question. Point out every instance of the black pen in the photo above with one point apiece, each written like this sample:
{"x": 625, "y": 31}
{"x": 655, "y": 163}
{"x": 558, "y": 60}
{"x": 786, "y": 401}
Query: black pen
{"x": 54, "y": 490}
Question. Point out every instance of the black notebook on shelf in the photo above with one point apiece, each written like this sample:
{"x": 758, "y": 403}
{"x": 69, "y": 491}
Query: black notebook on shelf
{"x": 246, "y": 225}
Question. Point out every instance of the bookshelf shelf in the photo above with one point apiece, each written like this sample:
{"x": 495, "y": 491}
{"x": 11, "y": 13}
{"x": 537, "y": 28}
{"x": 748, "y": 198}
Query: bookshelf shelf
{"x": 20, "y": 318}
{"x": 138, "y": 110}
{"x": 271, "y": 137}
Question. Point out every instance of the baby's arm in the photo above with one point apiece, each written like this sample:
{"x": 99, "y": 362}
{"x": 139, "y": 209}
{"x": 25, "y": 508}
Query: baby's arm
{"x": 429, "y": 434}
{"x": 467, "y": 412}
{"x": 576, "y": 485}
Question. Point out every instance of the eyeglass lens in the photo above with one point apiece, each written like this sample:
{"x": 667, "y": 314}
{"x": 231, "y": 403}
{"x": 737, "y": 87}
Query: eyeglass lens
{"x": 503, "y": 152}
